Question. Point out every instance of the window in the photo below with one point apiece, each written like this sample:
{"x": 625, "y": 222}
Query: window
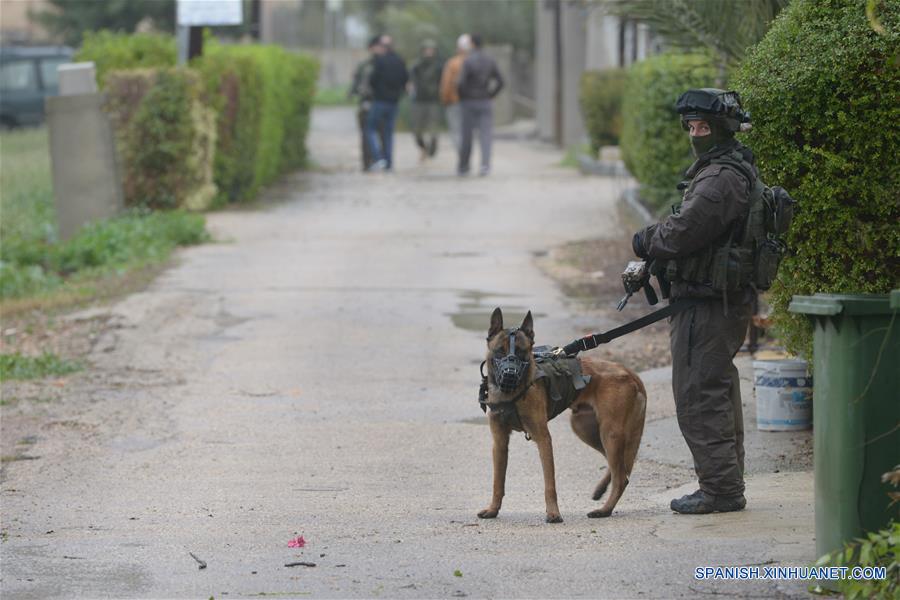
{"x": 49, "y": 75}
{"x": 17, "y": 76}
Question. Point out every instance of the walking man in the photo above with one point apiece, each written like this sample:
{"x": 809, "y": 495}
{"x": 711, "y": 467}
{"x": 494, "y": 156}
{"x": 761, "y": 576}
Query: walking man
{"x": 687, "y": 247}
{"x": 425, "y": 110}
{"x": 449, "y": 91}
{"x": 479, "y": 82}
{"x": 388, "y": 81}
{"x": 362, "y": 90}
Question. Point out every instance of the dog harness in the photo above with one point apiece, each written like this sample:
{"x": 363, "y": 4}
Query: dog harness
{"x": 562, "y": 379}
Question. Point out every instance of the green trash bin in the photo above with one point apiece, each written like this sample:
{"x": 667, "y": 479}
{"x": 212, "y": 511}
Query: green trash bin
{"x": 856, "y": 411}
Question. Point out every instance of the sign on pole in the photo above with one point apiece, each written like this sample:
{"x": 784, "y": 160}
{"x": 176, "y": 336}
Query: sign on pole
{"x": 197, "y": 13}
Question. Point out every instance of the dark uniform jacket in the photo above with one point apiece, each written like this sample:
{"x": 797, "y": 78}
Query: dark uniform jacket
{"x": 389, "y": 77}
{"x": 717, "y": 200}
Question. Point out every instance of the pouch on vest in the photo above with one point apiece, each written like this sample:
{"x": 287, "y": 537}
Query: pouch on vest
{"x": 769, "y": 256}
{"x": 779, "y": 210}
{"x": 732, "y": 268}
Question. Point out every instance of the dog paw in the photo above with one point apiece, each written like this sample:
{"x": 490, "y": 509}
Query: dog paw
{"x": 599, "y": 514}
{"x": 488, "y": 514}
{"x": 554, "y": 519}
{"x": 598, "y": 492}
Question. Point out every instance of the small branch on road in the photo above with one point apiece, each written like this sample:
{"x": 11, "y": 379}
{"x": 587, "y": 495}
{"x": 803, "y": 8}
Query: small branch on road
{"x": 202, "y": 563}
{"x": 300, "y": 564}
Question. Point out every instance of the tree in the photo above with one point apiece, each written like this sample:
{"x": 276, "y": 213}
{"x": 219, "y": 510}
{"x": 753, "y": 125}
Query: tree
{"x": 726, "y": 28}
{"x": 411, "y": 21}
{"x": 71, "y": 18}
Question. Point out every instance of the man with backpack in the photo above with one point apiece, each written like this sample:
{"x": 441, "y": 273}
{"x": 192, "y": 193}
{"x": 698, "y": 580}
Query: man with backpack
{"x": 713, "y": 250}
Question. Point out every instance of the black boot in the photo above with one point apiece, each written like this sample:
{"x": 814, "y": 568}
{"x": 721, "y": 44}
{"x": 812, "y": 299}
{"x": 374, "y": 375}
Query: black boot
{"x": 701, "y": 503}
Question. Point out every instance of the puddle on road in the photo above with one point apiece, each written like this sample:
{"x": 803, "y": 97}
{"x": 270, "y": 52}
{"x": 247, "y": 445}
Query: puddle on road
{"x": 475, "y": 310}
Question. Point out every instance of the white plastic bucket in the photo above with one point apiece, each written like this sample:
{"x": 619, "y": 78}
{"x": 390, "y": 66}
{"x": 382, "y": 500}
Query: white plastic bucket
{"x": 783, "y": 395}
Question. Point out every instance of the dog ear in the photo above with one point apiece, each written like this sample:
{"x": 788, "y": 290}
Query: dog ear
{"x": 528, "y": 326}
{"x": 496, "y": 323}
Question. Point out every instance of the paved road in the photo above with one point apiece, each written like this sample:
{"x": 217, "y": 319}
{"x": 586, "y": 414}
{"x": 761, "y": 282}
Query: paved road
{"x": 314, "y": 373}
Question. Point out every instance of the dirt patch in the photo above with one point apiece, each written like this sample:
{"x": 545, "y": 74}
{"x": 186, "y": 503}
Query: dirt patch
{"x": 589, "y": 273}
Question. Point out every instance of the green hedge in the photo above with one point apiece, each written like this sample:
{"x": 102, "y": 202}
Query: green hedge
{"x": 218, "y": 130}
{"x": 233, "y": 87}
{"x": 822, "y": 87}
{"x": 165, "y": 136}
{"x": 654, "y": 147}
{"x": 600, "y": 97}
{"x": 285, "y": 99}
{"x": 113, "y": 51}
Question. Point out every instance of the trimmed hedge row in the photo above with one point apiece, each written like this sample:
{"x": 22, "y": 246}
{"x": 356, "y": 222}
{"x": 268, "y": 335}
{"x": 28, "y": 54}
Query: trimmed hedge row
{"x": 600, "y": 96}
{"x": 823, "y": 87}
{"x": 654, "y": 147}
{"x": 110, "y": 51}
{"x": 213, "y": 132}
{"x": 166, "y": 137}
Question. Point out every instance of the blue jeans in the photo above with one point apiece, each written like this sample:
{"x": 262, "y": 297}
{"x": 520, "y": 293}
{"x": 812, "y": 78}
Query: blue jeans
{"x": 382, "y": 116}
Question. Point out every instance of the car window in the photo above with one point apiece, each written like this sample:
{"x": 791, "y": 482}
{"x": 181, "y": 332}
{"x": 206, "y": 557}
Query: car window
{"x": 49, "y": 75}
{"x": 17, "y": 76}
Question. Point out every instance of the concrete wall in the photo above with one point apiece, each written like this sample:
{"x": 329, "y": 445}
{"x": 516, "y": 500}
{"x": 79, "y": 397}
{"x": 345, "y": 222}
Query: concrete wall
{"x": 574, "y": 33}
{"x": 86, "y": 180}
{"x": 591, "y": 40}
{"x": 503, "y": 103}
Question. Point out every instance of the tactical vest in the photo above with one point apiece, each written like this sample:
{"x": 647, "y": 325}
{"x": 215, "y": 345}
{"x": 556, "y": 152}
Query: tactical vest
{"x": 749, "y": 253}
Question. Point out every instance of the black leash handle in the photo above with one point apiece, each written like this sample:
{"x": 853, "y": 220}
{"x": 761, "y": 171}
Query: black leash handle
{"x": 591, "y": 341}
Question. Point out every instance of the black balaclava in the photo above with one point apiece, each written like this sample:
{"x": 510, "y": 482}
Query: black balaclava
{"x": 718, "y": 135}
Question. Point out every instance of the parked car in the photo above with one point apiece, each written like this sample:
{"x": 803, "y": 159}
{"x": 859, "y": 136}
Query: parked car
{"x": 27, "y": 76}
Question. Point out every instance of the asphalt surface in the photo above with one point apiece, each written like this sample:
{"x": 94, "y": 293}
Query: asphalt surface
{"x": 314, "y": 372}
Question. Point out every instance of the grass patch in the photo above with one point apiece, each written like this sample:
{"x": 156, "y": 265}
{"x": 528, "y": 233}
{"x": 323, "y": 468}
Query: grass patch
{"x": 18, "y": 366}
{"x": 571, "y": 158}
{"x": 333, "y": 96}
{"x": 34, "y": 263}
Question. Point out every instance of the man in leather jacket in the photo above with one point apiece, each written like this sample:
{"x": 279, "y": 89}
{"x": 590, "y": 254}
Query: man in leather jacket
{"x": 706, "y": 337}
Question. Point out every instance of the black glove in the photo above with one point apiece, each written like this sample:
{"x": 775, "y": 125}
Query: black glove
{"x": 637, "y": 244}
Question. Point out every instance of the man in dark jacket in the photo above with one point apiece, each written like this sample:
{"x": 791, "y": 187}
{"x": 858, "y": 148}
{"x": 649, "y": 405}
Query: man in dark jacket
{"x": 479, "y": 82}
{"x": 687, "y": 248}
{"x": 388, "y": 82}
{"x": 425, "y": 109}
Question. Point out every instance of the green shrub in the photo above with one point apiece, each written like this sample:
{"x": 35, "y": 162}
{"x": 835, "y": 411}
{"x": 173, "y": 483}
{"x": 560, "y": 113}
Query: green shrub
{"x": 877, "y": 549}
{"x": 233, "y": 88}
{"x": 601, "y": 104}
{"x": 113, "y": 51}
{"x": 132, "y": 240}
{"x": 283, "y": 91}
{"x": 822, "y": 87}
{"x": 165, "y": 137}
{"x": 654, "y": 147}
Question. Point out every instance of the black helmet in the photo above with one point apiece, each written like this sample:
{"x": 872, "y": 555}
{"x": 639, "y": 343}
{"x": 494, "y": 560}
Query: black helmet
{"x": 711, "y": 104}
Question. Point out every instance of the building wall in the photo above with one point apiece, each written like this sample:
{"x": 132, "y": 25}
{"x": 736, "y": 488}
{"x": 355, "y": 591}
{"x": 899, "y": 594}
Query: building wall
{"x": 17, "y": 28}
{"x": 591, "y": 40}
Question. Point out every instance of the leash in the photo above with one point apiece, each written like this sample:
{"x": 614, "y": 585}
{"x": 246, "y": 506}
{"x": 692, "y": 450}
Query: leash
{"x": 589, "y": 342}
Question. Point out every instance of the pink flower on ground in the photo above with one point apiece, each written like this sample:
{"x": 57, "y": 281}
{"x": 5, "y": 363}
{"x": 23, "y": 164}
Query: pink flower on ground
{"x": 297, "y": 542}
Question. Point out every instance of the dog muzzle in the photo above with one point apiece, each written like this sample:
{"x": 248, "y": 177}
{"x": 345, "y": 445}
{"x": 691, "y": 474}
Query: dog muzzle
{"x": 510, "y": 371}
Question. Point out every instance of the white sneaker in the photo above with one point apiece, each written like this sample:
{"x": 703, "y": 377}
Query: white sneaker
{"x": 378, "y": 165}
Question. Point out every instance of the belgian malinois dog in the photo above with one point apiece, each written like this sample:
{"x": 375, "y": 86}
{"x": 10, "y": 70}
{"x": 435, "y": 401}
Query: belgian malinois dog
{"x": 608, "y": 415}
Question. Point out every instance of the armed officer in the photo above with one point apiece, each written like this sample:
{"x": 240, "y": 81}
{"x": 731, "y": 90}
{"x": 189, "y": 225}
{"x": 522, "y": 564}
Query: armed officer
{"x": 697, "y": 251}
